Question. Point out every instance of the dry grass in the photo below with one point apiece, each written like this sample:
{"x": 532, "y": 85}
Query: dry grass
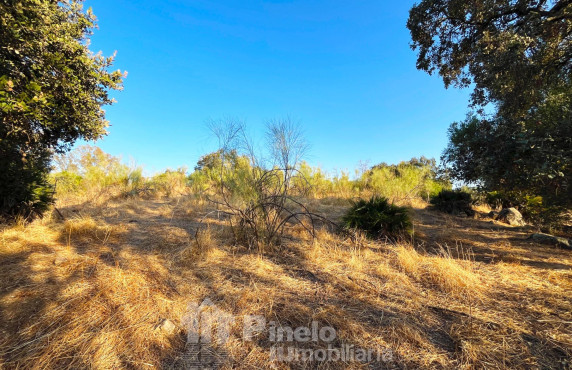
{"x": 95, "y": 291}
{"x": 454, "y": 276}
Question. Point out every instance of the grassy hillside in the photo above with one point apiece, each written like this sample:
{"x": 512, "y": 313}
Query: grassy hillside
{"x": 110, "y": 285}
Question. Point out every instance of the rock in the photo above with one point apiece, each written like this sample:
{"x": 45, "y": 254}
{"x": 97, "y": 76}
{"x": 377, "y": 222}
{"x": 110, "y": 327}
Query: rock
{"x": 166, "y": 326}
{"x": 493, "y": 214}
{"x": 511, "y": 216}
{"x": 551, "y": 239}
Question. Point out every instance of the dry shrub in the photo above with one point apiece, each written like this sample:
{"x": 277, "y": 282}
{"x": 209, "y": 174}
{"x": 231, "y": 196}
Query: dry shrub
{"x": 255, "y": 190}
{"x": 169, "y": 183}
{"x": 204, "y": 241}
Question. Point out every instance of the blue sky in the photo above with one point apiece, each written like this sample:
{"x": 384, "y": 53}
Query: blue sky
{"x": 343, "y": 69}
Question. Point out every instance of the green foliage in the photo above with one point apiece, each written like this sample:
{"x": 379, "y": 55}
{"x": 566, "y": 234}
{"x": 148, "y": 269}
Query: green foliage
{"x": 523, "y": 157}
{"x": 512, "y": 52}
{"x": 377, "y": 217}
{"x": 407, "y": 180}
{"x": 415, "y": 178}
{"x": 67, "y": 182}
{"x": 170, "y": 182}
{"x": 89, "y": 171}
{"x": 221, "y": 167}
{"x": 312, "y": 181}
{"x": 24, "y": 188}
{"x": 516, "y": 54}
{"x": 453, "y": 202}
{"x": 52, "y": 89}
{"x": 344, "y": 187}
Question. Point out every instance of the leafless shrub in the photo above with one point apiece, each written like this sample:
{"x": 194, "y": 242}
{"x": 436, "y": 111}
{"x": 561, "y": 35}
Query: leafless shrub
{"x": 254, "y": 191}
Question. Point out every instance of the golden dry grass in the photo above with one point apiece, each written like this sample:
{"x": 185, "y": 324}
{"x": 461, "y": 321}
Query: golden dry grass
{"x": 95, "y": 291}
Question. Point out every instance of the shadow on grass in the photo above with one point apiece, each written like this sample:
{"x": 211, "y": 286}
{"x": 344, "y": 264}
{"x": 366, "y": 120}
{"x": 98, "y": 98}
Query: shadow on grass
{"x": 142, "y": 252}
{"x": 485, "y": 241}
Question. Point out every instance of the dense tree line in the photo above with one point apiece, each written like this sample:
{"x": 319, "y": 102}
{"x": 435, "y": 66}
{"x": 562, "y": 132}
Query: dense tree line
{"x": 517, "y": 54}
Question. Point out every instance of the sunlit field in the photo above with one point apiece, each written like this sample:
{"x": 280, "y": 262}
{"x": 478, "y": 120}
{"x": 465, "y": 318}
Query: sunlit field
{"x": 108, "y": 282}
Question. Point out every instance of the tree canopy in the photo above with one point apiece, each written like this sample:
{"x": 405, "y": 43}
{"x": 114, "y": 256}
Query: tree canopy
{"x": 515, "y": 52}
{"x": 517, "y": 55}
{"x": 52, "y": 89}
{"x": 501, "y": 155}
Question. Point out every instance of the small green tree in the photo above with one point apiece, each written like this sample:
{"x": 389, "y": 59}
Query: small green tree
{"x": 52, "y": 89}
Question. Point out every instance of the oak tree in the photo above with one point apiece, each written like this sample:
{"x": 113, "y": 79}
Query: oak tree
{"x": 52, "y": 90}
{"x": 517, "y": 57}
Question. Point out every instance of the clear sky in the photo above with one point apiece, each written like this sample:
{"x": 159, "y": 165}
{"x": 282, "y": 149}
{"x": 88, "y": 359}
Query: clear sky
{"x": 343, "y": 69}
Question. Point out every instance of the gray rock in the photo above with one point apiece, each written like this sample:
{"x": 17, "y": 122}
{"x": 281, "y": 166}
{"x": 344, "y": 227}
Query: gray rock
{"x": 511, "y": 216}
{"x": 551, "y": 239}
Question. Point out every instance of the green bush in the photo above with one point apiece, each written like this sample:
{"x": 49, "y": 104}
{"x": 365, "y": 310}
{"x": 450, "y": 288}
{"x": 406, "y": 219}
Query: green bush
{"x": 89, "y": 171}
{"x": 170, "y": 183}
{"x": 66, "y": 182}
{"x": 221, "y": 167}
{"x": 416, "y": 178}
{"x": 377, "y": 217}
{"x": 454, "y": 202}
{"x": 343, "y": 186}
{"x": 24, "y": 188}
{"x": 52, "y": 90}
{"x": 312, "y": 181}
